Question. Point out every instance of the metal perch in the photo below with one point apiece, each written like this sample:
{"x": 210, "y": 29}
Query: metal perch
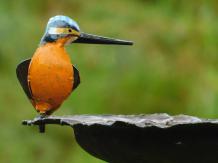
{"x": 155, "y": 138}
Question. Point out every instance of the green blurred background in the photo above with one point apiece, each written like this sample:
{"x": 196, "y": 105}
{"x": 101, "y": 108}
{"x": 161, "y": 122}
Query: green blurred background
{"x": 172, "y": 68}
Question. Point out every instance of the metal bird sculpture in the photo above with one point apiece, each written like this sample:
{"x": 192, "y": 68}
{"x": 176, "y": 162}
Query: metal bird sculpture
{"x": 49, "y": 77}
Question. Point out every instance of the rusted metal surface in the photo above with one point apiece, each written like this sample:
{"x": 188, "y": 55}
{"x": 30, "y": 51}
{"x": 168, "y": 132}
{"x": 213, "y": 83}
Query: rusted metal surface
{"x": 156, "y": 138}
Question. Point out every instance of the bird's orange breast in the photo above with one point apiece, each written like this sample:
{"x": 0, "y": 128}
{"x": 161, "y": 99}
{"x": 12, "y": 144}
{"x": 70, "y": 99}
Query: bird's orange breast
{"x": 50, "y": 77}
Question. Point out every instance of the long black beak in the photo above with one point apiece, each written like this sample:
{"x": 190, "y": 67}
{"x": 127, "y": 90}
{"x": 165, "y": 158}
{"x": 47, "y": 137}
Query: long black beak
{"x": 94, "y": 39}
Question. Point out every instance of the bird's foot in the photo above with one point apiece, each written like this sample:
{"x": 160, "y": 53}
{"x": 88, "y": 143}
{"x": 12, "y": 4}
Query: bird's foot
{"x": 41, "y": 123}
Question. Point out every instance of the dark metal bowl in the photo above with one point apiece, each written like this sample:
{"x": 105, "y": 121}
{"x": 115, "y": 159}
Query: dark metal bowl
{"x": 156, "y": 138}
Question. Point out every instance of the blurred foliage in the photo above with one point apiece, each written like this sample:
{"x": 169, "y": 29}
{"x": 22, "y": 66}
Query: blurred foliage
{"x": 171, "y": 68}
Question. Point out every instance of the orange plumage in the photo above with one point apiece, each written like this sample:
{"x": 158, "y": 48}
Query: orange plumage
{"x": 50, "y": 77}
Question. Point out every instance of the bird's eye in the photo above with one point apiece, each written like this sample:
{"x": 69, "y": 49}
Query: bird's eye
{"x": 69, "y": 30}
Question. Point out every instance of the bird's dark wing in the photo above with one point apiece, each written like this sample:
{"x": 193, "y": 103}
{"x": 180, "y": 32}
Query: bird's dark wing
{"x": 22, "y": 74}
{"x": 76, "y": 78}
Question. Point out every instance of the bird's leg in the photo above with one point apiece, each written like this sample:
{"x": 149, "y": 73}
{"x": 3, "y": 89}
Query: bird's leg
{"x": 41, "y": 124}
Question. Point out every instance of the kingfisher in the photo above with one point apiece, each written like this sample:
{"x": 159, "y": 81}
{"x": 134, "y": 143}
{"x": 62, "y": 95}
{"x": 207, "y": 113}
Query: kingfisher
{"x": 49, "y": 77}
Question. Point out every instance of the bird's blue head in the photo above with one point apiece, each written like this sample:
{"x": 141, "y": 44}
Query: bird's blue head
{"x": 66, "y": 31}
{"x": 61, "y": 21}
{"x": 61, "y": 27}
